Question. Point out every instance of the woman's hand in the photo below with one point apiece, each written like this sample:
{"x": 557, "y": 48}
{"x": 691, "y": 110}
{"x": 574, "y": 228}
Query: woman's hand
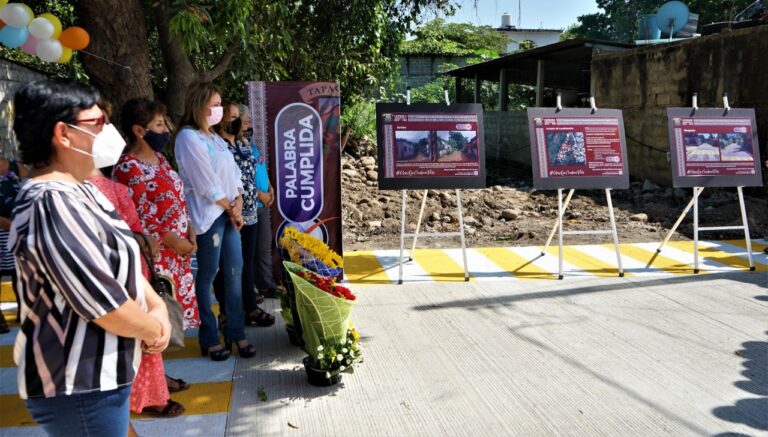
{"x": 161, "y": 342}
{"x": 181, "y": 246}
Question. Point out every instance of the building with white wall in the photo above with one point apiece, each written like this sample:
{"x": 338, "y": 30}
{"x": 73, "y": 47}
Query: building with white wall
{"x": 541, "y": 37}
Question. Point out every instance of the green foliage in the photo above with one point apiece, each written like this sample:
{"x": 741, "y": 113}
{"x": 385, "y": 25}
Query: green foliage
{"x": 360, "y": 118}
{"x": 619, "y": 18}
{"x": 455, "y": 39}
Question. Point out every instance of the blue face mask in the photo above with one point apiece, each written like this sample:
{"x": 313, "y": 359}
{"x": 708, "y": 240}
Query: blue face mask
{"x": 157, "y": 141}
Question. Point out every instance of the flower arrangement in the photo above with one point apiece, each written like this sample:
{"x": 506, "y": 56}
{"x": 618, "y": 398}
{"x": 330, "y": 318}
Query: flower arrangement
{"x": 306, "y": 250}
{"x": 326, "y": 284}
{"x": 334, "y": 358}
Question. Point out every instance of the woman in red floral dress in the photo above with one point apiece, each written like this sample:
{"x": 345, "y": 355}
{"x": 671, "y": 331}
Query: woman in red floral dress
{"x": 158, "y": 194}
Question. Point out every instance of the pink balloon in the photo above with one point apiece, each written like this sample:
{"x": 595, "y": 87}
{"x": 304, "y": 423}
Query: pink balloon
{"x": 30, "y": 46}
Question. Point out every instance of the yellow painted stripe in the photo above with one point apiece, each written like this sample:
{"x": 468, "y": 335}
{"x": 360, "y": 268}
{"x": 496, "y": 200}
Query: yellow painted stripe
{"x": 14, "y": 412}
{"x": 6, "y": 356}
{"x": 713, "y": 254}
{"x": 515, "y": 264}
{"x": 439, "y": 265}
{"x": 364, "y": 268}
{"x": 585, "y": 262}
{"x": 6, "y": 292}
{"x": 202, "y": 398}
{"x": 10, "y": 317}
{"x": 191, "y": 350}
{"x": 653, "y": 259}
{"x": 756, "y": 247}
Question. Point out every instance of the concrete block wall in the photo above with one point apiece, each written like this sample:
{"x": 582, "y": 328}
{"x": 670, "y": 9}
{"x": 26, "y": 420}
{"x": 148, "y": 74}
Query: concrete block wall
{"x": 506, "y": 136}
{"x": 644, "y": 82}
{"x": 418, "y": 70}
{"x": 12, "y": 77}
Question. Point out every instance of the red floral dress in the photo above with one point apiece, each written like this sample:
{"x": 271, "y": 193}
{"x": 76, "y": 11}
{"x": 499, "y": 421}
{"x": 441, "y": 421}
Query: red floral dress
{"x": 157, "y": 191}
{"x": 149, "y": 386}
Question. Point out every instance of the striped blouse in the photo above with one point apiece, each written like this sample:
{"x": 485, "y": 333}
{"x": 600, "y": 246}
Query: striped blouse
{"x": 76, "y": 261}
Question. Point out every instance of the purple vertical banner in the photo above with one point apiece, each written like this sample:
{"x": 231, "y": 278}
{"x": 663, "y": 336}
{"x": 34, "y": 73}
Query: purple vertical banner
{"x": 296, "y": 127}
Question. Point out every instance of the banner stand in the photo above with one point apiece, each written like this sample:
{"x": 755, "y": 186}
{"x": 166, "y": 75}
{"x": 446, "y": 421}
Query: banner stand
{"x": 697, "y": 229}
{"x": 695, "y": 204}
{"x": 562, "y": 205}
{"x": 416, "y": 234}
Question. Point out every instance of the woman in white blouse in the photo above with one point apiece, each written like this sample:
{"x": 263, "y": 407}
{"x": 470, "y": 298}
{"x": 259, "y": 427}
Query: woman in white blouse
{"x": 213, "y": 189}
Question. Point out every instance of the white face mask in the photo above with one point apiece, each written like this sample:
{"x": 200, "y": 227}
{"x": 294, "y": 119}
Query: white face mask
{"x": 107, "y": 147}
{"x": 217, "y": 113}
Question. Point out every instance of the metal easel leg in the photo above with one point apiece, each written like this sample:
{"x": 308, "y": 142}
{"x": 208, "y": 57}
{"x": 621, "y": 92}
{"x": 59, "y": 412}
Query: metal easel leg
{"x": 461, "y": 230}
{"x": 696, "y": 192}
{"x": 613, "y": 231}
{"x": 744, "y": 221}
{"x": 554, "y": 227}
{"x": 560, "y": 233}
{"x": 402, "y": 241}
{"x": 418, "y": 224}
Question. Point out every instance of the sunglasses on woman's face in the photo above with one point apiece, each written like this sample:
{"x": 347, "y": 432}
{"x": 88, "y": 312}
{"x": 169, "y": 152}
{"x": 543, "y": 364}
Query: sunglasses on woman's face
{"x": 98, "y": 121}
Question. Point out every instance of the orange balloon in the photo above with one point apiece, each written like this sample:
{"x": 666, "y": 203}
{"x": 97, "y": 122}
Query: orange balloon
{"x": 2, "y": 24}
{"x": 76, "y": 38}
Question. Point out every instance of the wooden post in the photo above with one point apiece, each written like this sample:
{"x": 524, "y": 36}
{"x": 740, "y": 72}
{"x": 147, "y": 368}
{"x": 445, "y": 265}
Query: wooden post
{"x": 458, "y": 89}
{"x": 477, "y": 88}
{"x": 539, "y": 83}
{"x": 503, "y": 91}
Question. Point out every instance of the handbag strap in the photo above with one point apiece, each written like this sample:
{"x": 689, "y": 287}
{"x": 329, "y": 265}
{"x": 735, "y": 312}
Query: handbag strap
{"x": 149, "y": 258}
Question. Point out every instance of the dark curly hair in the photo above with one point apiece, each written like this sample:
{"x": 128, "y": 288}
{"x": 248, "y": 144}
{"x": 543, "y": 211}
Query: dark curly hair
{"x": 39, "y": 106}
{"x": 140, "y": 112}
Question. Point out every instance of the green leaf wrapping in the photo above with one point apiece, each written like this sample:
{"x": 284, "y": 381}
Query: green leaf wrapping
{"x": 323, "y": 317}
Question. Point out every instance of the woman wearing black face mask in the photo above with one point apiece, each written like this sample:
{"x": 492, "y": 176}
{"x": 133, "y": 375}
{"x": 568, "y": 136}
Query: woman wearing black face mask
{"x": 229, "y": 130}
{"x": 157, "y": 191}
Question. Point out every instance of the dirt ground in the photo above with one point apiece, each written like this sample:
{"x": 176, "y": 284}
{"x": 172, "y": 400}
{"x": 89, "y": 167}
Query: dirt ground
{"x": 512, "y": 213}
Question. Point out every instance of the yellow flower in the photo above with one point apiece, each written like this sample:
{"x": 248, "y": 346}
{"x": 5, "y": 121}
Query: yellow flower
{"x": 293, "y": 240}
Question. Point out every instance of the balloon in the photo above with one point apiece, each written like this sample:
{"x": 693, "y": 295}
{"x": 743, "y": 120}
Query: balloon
{"x": 49, "y": 50}
{"x": 66, "y": 55}
{"x": 2, "y": 23}
{"x": 13, "y": 37}
{"x": 30, "y": 47}
{"x": 76, "y": 38}
{"x": 16, "y": 14}
{"x": 56, "y": 24}
{"x": 3, "y": 3}
{"x": 41, "y": 28}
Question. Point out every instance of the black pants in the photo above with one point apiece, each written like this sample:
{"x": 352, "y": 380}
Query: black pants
{"x": 248, "y": 236}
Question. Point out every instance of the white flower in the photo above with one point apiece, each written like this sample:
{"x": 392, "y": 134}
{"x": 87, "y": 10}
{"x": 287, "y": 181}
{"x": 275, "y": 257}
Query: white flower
{"x": 339, "y": 357}
{"x": 327, "y": 375}
{"x": 348, "y": 361}
{"x": 345, "y": 350}
{"x": 320, "y": 357}
{"x": 320, "y": 348}
{"x": 342, "y": 368}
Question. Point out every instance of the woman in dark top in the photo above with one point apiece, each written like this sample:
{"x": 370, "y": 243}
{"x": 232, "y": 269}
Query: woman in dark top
{"x": 86, "y": 310}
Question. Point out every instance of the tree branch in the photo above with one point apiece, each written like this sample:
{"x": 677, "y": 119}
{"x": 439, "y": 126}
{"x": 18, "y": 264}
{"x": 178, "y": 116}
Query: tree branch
{"x": 224, "y": 61}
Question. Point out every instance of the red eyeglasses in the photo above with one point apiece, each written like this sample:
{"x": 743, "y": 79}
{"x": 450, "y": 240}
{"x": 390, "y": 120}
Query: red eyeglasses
{"x": 98, "y": 121}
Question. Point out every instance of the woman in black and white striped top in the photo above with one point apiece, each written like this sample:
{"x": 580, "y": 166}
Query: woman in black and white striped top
{"x": 84, "y": 301}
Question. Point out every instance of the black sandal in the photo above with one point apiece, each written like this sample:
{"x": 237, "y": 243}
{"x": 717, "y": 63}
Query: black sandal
{"x": 259, "y": 317}
{"x": 181, "y": 385}
{"x": 4, "y": 329}
{"x": 171, "y": 409}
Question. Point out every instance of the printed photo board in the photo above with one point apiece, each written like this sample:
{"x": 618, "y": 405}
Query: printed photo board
{"x": 578, "y": 149}
{"x": 714, "y": 148}
{"x": 430, "y": 146}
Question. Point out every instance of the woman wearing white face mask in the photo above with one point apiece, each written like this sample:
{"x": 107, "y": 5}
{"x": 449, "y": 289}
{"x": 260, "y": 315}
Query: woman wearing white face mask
{"x": 84, "y": 302}
{"x": 213, "y": 188}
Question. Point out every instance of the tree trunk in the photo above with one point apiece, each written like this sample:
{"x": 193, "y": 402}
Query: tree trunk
{"x": 117, "y": 59}
{"x": 181, "y": 73}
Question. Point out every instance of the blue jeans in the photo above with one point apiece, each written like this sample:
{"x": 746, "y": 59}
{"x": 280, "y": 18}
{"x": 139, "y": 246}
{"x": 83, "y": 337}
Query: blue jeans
{"x": 220, "y": 245}
{"x": 99, "y": 413}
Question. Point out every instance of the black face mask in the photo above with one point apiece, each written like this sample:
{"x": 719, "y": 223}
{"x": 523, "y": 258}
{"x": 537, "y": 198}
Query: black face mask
{"x": 234, "y": 127}
{"x": 157, "y": 141}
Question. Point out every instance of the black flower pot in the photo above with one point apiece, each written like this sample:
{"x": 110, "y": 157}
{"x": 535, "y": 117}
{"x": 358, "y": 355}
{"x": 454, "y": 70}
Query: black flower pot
{"x": 293, "y": 337}
{"x": 317, "y": 377}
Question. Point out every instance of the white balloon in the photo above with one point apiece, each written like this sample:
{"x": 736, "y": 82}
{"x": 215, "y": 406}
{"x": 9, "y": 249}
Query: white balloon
{"x": 16, "y": 15}
{"x": 41, "y": 28}
{"x": 49, "y": 50}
